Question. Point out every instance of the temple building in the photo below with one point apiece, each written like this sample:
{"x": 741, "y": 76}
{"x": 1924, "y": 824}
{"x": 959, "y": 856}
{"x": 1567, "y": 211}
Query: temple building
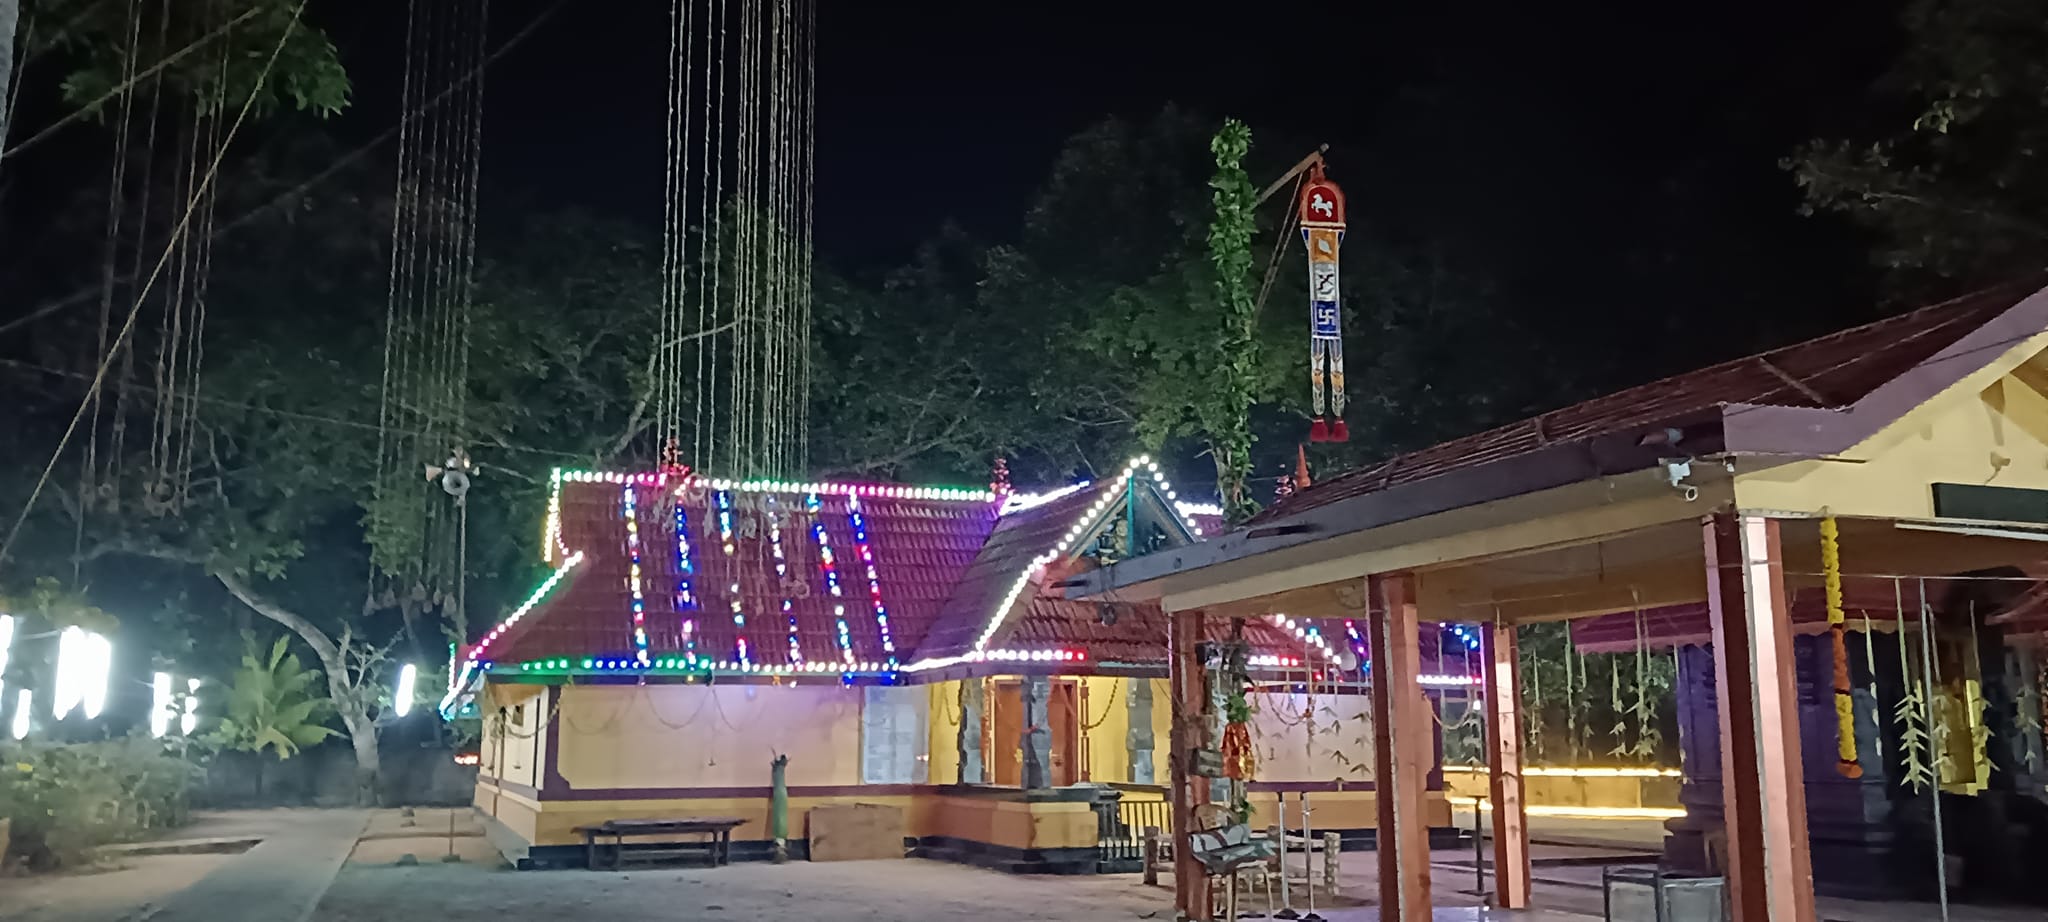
{"x": 902, "y": 646}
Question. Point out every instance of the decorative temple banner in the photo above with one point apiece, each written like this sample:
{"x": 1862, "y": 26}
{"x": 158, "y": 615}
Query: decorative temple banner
{"x": 1322, "y": 229}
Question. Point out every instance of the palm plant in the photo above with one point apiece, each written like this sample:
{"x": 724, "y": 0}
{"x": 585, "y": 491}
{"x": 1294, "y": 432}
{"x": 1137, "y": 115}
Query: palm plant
{"x": 270, "y": 704}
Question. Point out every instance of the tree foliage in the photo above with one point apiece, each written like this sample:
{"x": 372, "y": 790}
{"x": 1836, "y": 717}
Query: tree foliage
{"x": 1955, "y": 185}
{"x": 213, "y": 53}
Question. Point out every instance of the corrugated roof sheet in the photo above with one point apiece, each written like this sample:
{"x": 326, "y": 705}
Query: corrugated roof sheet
{"x": 1829, "y": 371}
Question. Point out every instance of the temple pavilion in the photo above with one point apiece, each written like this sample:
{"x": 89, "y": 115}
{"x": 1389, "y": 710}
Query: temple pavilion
{"x": 902, "y": 646}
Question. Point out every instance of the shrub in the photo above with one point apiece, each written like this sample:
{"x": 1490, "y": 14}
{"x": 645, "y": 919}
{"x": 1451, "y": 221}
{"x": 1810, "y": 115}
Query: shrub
{"x": 67, "y": 799}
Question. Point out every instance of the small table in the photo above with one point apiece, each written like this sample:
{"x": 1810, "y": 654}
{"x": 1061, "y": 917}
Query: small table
{"x": 716, "y": 844}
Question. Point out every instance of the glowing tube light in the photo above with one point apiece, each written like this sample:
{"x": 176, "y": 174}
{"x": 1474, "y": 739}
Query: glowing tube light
{"x": 24, "y": 703}
{"x": 159, "y": 704}
{"x": 83, "y": 661}
{"x": 99, "y": 669}
{"x": 401, "y": 701}
{"x": 190, "y": 720}
{"x": 6, "y": 641}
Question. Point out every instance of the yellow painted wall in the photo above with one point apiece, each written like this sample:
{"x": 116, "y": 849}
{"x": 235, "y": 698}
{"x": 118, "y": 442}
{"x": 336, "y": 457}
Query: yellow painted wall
{"x": 514, "y": 744}
{"x": 676, "y": 736}
{"x": 1992, "y": 431}
{"x": 1573, "y": 791}
{"x": 1106, "y": 708}
{"x": 1328, "y": 738}
{"x": 999, "y": 822}
{"x": 556, "y": 821}
{"x": 1339, "y": 809}
{"x": 517, "y": 812}
{"x": 1015, "y": 824}
{"x": 944, "y": 745}
{"x": 1162, "y": 729}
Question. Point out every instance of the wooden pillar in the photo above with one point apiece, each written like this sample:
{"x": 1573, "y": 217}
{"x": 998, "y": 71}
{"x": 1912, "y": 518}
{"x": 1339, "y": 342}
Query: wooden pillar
{"x": 1186, "y": 734}
{"x": 1504, "y": 767}
{"x": 1763, "y": 793}
{"x": 1036, "y": 741}
{"x": 1403, "y": 743}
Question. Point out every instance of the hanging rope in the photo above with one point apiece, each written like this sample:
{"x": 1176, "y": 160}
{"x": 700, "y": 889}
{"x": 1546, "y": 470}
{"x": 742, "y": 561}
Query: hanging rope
{"x": 419, "y": 511}
{"x": 736, "y": 281}
{"x": 123, "y": 337}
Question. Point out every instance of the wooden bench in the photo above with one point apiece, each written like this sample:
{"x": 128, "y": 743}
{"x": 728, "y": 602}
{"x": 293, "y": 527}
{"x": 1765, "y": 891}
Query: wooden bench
{"x": 715, "y": 845}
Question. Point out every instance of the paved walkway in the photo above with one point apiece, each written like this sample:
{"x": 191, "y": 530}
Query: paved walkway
{"x": 280, "y": 880}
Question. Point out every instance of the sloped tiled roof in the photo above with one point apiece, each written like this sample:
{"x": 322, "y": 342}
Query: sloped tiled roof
{"x": 1828, "y": 372}
{"x": 919, "y": 545}
{"x": 1043, "y": 618}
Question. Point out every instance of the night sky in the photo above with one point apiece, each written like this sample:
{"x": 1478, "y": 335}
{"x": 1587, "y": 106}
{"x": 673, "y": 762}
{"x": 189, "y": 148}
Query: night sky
{"x": 1531, "y": 129}
{"x": 1611, "y": 172}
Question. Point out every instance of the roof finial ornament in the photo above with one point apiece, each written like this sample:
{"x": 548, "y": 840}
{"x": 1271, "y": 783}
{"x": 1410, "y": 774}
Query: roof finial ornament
{"x": 1288, "y": 484}
{"x": 999, "y": 479}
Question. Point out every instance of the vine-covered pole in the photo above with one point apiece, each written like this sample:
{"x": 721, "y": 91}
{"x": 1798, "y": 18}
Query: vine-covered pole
{"x": 1224, "y": 411}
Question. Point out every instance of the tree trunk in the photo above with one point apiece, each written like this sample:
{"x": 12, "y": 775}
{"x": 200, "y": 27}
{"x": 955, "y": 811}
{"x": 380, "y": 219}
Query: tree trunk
{"x": 355, "y": 716}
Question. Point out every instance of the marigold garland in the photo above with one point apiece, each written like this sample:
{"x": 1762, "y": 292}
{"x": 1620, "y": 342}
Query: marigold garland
{"x": 1845, "y": 709}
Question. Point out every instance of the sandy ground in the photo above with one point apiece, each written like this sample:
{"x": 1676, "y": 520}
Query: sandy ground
{"x": 909, "y": 890}
{"x": 123, "y": 892}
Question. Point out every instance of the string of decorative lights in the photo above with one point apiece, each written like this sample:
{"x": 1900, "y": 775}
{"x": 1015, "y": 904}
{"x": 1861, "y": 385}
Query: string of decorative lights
{"x": 796, "y": 653}
{"x": 475, "y": 661}
{"x": 1084, "y": 524}
{"x": 685, "y": 568}
{"x": 739, "y": 612}
{"x": 867, "y": 559}
{"x": 633, "y": 581}
{"x": 830, "y": 568}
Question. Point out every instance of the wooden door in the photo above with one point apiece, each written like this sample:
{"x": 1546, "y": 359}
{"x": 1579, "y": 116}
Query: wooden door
{"x": 1005, "y": 757}
{"x": 1062, "y": 714}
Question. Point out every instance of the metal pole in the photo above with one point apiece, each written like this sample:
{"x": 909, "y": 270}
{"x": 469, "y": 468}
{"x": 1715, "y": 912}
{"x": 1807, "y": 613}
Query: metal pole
{"x": 778, "y": 807}
{"x": 1308, "y": 861}
{"x": 1478, "y": 850}
{"x": 1934, "y": 789}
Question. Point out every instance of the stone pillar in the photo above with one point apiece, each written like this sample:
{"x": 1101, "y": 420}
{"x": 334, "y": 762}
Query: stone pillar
{"x": 1504, "y": 767}
{"x": 1851, "y": 828}
{"x": 1404, "y": 736}
{"x": 1763, "y": 791}
{"x": 1037, "y": 738}
{"x": 972, "y": 704}
{"x": 1138, "y": 741}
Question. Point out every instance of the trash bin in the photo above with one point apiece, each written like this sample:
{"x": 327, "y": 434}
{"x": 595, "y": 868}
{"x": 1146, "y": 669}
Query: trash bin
{"x": 1636, "y": 894}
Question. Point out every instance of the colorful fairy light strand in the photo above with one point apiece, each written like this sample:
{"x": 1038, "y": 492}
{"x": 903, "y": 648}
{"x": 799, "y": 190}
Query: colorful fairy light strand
{"x": 829, "y": 566}
{"x": 1083, "y": 524}
{"x": 796, "y": 653}
{"x": 867, "y": 559}
{"x": 471, "y": 663}
{"x": 739, "y": 611}
{"x": 634, "y": 583}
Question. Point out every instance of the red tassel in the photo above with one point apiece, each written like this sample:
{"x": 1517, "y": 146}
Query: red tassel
{"x": 1319, "y": 431}
{"x": 1340, "y": 432}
